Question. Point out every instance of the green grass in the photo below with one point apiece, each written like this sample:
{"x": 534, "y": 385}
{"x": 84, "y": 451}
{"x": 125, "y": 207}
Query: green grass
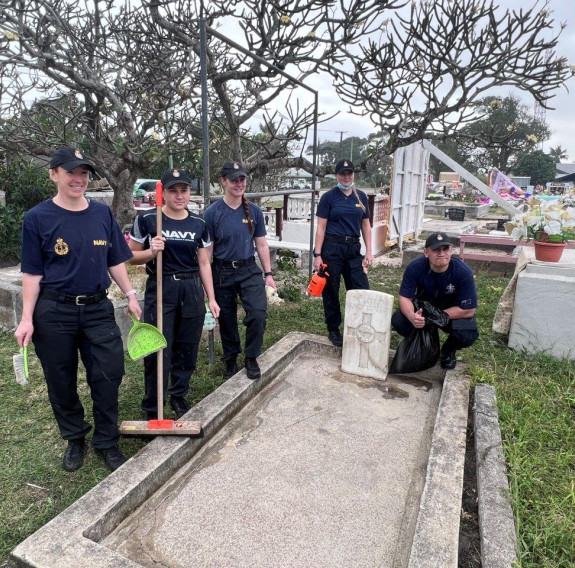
{"x": 536, "y": 399}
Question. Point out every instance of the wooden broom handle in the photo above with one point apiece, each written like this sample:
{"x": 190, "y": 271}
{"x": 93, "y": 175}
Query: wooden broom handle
{"x": 159, "y": 301}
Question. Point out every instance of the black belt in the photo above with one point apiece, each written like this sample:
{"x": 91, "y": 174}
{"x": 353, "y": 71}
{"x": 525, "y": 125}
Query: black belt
{"x": 180, "y": 276}
{"x": 341, "y": 238}
{"x": 234, "y": 263}
{"x": 82, "y": 300}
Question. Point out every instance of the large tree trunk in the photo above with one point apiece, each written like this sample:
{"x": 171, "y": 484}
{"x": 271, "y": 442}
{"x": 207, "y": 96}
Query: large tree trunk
{"x": 122, "y": 204}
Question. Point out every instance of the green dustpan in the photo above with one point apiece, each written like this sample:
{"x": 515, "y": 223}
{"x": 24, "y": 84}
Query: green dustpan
{"x": 144, "y": 339}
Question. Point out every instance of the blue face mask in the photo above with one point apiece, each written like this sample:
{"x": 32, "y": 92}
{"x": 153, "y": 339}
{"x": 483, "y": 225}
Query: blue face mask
{"x": 345, "y": 187}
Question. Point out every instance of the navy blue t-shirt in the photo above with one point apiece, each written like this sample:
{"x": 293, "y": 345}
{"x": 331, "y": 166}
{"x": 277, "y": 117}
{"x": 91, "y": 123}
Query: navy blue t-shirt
{"x": 72, "y": 249}
{"x": 183, "y": 239}
{"x": 343, "y": 212}
{"x": 229, "y": 230}
{"x": 454, "y": 287}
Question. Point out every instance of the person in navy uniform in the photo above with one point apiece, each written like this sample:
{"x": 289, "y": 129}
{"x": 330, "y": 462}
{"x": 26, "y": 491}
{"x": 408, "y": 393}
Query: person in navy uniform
{"x": 342, "y": 215}
{"x": 448, "y": 284}
{"x": 70, "y": 248}
{"x": 185, "y": 268}
{"x": 237, "y": 229}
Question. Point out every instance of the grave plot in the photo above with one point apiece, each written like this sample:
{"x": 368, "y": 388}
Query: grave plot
{"x": 311, "y": 465}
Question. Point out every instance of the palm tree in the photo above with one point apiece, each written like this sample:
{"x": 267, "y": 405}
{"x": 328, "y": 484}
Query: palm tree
{"x": 558, "y": 153}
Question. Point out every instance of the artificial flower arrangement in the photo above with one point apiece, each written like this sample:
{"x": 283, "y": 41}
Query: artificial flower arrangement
{"x": 545, "y": 221}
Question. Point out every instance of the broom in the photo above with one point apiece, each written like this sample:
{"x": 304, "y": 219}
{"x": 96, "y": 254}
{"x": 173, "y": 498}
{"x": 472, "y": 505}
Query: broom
{"x": 160, "y": 427}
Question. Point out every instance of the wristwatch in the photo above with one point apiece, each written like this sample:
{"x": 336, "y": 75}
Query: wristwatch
{"x": 268, "y": 273}
{"x": 316, "y": 254}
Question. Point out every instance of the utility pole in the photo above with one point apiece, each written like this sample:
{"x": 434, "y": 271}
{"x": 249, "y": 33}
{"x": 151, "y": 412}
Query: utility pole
{"x": 341, "y": 133}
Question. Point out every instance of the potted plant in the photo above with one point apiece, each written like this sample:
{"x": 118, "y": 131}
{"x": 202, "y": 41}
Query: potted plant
{"x": 550, "y": 224}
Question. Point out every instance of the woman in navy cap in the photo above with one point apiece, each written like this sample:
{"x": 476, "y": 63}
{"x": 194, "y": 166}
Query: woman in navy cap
{"x": 237, "y": 229}
{"x": 185, "y": 268}
{"x": 342, "y": 216}
{"x": 70, "y": 248}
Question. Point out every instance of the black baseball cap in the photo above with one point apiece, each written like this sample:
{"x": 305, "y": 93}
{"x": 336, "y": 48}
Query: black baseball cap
{"x": 436, "y": 240}
{"x": 344, "y": 166}
{"x": 233, "y": 170}
{"x": 174, "y": 176}
{"x": 70, "y": 158}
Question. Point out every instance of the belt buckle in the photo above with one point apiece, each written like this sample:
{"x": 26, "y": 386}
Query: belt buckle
{"x": 234, "y": 264}
{"x": 78, "y": 300}
{"x": 175, "y": 277}
{"x": 348, "y": 239}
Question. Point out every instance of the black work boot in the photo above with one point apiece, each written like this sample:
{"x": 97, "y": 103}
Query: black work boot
{"x": 335, "y": 337}
{"x": 252, "y": 368}
{"x": 179, "y": 405}
{"x": 151, "y": 414}
{"x": 448, "y": 361}
{"x": 73, "y": 458}
{"x": 113, "y": 457}
{"x": 231, "y": 369}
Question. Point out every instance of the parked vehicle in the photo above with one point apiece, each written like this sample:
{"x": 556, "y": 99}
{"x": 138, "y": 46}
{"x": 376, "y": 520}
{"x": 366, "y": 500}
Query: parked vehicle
{"x": 144, "y": 186}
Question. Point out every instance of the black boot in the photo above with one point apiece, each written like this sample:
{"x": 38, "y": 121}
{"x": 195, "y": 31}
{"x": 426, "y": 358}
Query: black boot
{"x": 113, "y": 457}
{"x": 252, "y": 368}
{"x": 179, "y": 406}
{"x": 73, "y": 458}
{"x": 231, "y": 369}
{"x": 335, "y": 337}
{"x": 448, "y": 361}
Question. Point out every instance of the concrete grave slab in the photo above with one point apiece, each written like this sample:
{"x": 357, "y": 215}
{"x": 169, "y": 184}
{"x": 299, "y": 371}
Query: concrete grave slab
{"x": 308, "y": 466}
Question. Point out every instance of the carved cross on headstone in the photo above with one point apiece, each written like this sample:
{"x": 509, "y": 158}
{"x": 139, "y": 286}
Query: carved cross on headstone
{"x": 366, "y": 334}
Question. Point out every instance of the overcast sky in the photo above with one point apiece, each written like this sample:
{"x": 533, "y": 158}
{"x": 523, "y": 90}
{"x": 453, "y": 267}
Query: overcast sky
{"x": 561, "y": 120}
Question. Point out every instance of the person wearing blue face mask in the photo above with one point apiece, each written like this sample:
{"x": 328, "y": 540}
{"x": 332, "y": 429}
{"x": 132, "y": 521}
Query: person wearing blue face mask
{"x": 342, "y": 216}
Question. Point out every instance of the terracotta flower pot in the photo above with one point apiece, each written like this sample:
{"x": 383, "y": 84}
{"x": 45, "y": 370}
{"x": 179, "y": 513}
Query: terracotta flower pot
{"x": 548, "y": 252}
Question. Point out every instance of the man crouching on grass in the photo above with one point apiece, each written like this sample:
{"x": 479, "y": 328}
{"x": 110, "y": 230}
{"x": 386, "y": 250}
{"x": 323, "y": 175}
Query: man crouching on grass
{"x": 448, "y": 284}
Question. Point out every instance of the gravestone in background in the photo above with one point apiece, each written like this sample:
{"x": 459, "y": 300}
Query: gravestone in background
{"x": 366, "y": 333}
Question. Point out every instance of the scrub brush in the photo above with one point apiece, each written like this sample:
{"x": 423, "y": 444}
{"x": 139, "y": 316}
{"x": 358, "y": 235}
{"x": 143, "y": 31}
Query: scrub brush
{"x": 20, "y": 362}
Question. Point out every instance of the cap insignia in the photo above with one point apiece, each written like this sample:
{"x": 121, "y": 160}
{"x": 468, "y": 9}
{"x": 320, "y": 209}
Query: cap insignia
{"x": 78, "y": 154}
{"x": 176, "y": 173}
{"x": 345, "y": 164}
{"x": 236, "y": 166}
{"x": 439, "y": 237}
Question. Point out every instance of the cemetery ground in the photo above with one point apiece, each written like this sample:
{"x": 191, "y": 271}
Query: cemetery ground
{"x": 536, "y": 403}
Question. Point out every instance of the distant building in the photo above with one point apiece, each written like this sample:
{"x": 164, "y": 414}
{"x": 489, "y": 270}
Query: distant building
{"x": 564, "y": 169}
{"x": 521, "y": 181}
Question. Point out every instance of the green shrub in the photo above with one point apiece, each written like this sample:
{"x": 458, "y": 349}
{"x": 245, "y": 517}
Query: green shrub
{"x": 25, "y": 184}
{"x": 10, "y": 235}
{"x": 286, "y": 260}
{"x": 290, "y": 293}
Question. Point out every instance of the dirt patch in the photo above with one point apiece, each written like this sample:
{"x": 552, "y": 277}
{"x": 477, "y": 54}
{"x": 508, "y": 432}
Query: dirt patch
{"x": 469, "y": 540}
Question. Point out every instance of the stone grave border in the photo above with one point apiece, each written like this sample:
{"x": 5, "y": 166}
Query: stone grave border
{"x": 72, "y": 538}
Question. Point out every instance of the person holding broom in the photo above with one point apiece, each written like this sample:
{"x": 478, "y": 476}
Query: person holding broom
{"x": 185, "y": 268}
{"x": 70, "y": 248}
{"x": 237, "y": 229}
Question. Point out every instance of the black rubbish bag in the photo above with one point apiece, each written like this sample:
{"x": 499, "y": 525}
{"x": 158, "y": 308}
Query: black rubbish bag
{"x": 417, "y": 352}
{"x": 420, "y": 350}
{"x": 431, "y": 313}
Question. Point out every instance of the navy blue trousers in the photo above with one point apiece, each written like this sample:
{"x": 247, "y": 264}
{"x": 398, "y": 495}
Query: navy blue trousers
{"x": 61, "y": 331}
{"x": 342, "y": 259}
{"x": 183, "y": 313}
{"x": 247, "y": 284}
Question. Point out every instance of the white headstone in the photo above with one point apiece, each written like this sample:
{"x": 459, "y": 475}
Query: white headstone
{"x": 544, "y": 297}
{"x": 366, "y": 333}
